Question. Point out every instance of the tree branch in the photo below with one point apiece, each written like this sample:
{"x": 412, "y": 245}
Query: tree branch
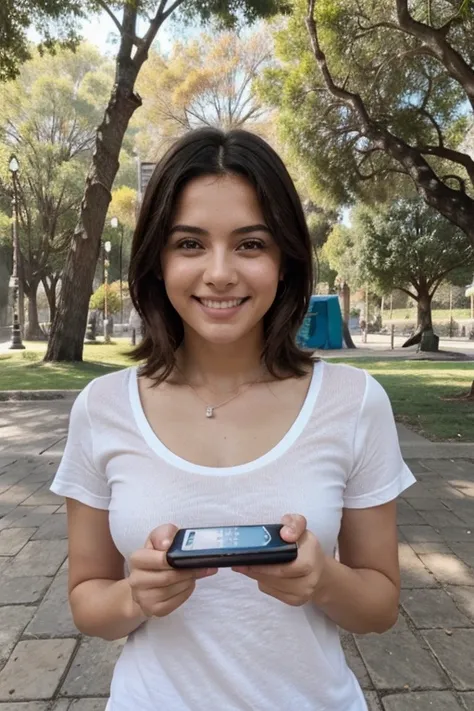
{"x": 109, "y": 12}
{"x": 456, "y": 206}
{"x": 439, "y": 47}
{"x": 450, "y": 154}
{"x": 407, "y": 291}
{"x": 453, "y": 176}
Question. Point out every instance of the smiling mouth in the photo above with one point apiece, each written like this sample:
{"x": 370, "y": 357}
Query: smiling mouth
{"x": 227, "y": 304}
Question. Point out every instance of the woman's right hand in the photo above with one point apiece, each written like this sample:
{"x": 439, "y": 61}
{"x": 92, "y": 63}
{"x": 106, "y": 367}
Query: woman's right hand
{"x": 157, "y": 588}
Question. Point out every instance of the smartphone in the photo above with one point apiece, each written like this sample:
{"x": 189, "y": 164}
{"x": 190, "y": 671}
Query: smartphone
{"x": 225, "y": 546}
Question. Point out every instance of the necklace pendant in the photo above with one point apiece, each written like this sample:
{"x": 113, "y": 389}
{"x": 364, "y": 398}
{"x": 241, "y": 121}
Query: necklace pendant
{"x": 209, "y": 411}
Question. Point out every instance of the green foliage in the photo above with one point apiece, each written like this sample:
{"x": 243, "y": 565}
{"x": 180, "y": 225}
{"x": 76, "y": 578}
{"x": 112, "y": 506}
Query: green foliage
{"x": 48, "y": 119}
{"x": 55, "y": 20}
{"x": 341, "y": 254}
{"x": 410, "y": 93}
{"x": 97, "y": 300}
{"x": 409, "y": 243}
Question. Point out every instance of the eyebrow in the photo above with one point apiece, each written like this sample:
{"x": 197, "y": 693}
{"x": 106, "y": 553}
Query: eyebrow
{"x": 199, "y": 231}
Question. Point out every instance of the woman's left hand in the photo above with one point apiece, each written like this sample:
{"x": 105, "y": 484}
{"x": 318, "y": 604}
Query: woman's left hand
{"x": 294, "y": 583}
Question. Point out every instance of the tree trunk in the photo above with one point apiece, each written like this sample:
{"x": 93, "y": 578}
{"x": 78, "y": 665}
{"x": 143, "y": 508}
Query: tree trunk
{"x": 70, "y": 321}
{"x": 50, "y": 291}
{"x": 33, "y": 329}
{"x": 346, "y": 314}
{"x": 424, "y": 311}
{"x": 424, "y": 322}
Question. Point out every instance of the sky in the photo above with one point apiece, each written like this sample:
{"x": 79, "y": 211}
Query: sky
{"x": 101, "y": 31}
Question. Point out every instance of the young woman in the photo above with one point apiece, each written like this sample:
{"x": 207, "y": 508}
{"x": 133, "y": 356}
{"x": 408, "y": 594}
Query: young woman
{"x": 228, "y": 422}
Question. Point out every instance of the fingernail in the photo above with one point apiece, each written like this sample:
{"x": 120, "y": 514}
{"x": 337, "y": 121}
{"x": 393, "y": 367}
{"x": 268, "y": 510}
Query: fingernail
{"x": 166, "y": 543}
{"x": 211, "y": 571}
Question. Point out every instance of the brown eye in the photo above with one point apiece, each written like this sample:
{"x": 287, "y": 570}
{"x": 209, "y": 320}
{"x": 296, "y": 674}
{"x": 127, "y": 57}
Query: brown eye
{"x": 188, "y": 245}
{"x": 252, "y": 245}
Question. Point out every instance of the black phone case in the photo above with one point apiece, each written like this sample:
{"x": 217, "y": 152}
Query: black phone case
{"x": 279, "y": 552}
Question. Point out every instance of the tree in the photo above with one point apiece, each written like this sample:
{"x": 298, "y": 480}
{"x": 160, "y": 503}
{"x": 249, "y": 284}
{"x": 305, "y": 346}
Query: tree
{"x": 97, "y": 300}
{"x": 68, "y": 328}
{"x": 54, "y": 20}
{"x": 408, "y": 246}
{"x": 340, "y": 253}
{"x": 48, "y": 118}
{"x": 204, "y": 82}
{"x": 375, "y": 90}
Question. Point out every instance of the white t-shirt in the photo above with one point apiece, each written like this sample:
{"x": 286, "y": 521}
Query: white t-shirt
{"x": 230, "y": 647}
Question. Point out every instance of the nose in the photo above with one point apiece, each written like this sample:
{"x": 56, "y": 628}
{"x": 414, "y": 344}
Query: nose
{"x": 220, "y": 270}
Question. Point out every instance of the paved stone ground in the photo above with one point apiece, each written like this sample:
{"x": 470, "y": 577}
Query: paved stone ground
{"x": 424, "y": 664}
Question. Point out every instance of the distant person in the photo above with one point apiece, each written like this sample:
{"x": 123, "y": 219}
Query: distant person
{"x": 135, "y": 325}
{"x": 228, "y": 422}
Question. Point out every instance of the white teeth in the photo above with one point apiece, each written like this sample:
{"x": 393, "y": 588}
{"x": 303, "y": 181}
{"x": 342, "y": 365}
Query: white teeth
{"x": 220, "y": 304}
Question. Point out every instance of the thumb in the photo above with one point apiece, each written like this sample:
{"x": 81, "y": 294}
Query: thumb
{"x": 294, "y": 525}
{"x": 161, "y": 537}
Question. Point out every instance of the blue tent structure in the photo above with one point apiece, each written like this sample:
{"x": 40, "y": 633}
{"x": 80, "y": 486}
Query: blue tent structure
{"x": 322, "y": 326}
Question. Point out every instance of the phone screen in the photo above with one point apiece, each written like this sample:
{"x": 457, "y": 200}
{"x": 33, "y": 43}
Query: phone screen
{"x": 198, "y": 539}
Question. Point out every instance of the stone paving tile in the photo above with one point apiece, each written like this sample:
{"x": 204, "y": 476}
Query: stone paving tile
{"x": 441, "y": 519}
{"x": 43, "y": 496}
{"x": 27, "y": 517}
{"x": 468, "y": 700}
{"x": 464, "y": 551}
{"x": 463, "y": 599}
{"x": 25, "y": 706}
{"x": 91, "y": 670}
{"x": 354, "y": 660}
{"x": 19, "y": 493}
{"x": 448, "y": 569}
{"x": 443, "y": 466}
{"x": 430, "y": 609}
{"x": 455, "y": 654}
{"x": 447, "y": 493}
{"x": 416, "y": 491}
{"x": 397, "y": 660}
{"x": 413, "y": 573}
{"x": 457, "y": 534}
{"x": 53, "y": 617}
{"x": 54, "y": 528}
{"x": 10, "y": 478}
{"x": 18, "y": 591}
{"x": 62, "y": 509}
{"x": 420, "y": 534}
{"x": 13, "y": 621}
{"x": 35, "y": 668}
{"x": 12, "y": 540}
{"x": 422, "y": 701}
{"x": 428, "y": 505}
{"x": 37, "y": 558}
{"x": 372, "y": 701}
{"x": 431, "y": 547}
{"x": 87, "y": 705}
{"x": 406, "y": 515}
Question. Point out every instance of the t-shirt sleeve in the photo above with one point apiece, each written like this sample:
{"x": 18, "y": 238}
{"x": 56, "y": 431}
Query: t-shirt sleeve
{"x": 379, "y": 473}
{"x": 77, "y": 476}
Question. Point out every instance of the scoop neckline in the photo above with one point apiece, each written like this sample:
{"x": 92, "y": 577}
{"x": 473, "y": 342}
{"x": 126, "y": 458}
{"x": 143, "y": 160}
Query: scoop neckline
{"x": 288, "y": 439}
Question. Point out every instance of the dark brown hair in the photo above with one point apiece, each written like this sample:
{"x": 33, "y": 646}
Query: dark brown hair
{"x": 210, "y": 151}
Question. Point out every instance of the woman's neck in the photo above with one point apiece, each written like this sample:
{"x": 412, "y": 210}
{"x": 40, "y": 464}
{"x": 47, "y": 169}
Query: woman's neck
{"x": 221, "y": 368}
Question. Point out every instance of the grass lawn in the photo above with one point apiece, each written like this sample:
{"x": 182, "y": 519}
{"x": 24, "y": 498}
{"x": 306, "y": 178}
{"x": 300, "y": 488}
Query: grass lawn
{"x": 438, "y": 315}
{"x": 24, "y": 370}
{"x": 416, "y": 388}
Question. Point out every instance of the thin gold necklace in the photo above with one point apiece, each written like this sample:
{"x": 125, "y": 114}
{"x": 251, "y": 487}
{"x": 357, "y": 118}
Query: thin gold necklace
{"x": 211, "y": 408}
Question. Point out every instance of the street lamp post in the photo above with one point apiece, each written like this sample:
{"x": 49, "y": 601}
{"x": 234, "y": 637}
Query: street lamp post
{"x": 16, "y": 343}
{"x": 107, "y": 247}
{"x": 114, "y": 222}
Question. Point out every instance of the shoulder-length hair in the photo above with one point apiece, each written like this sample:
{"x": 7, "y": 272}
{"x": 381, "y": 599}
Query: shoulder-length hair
{"x": 210, "y": 151}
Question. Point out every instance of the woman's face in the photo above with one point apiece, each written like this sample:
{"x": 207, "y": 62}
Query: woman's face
{"x": 220, "y": 265}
